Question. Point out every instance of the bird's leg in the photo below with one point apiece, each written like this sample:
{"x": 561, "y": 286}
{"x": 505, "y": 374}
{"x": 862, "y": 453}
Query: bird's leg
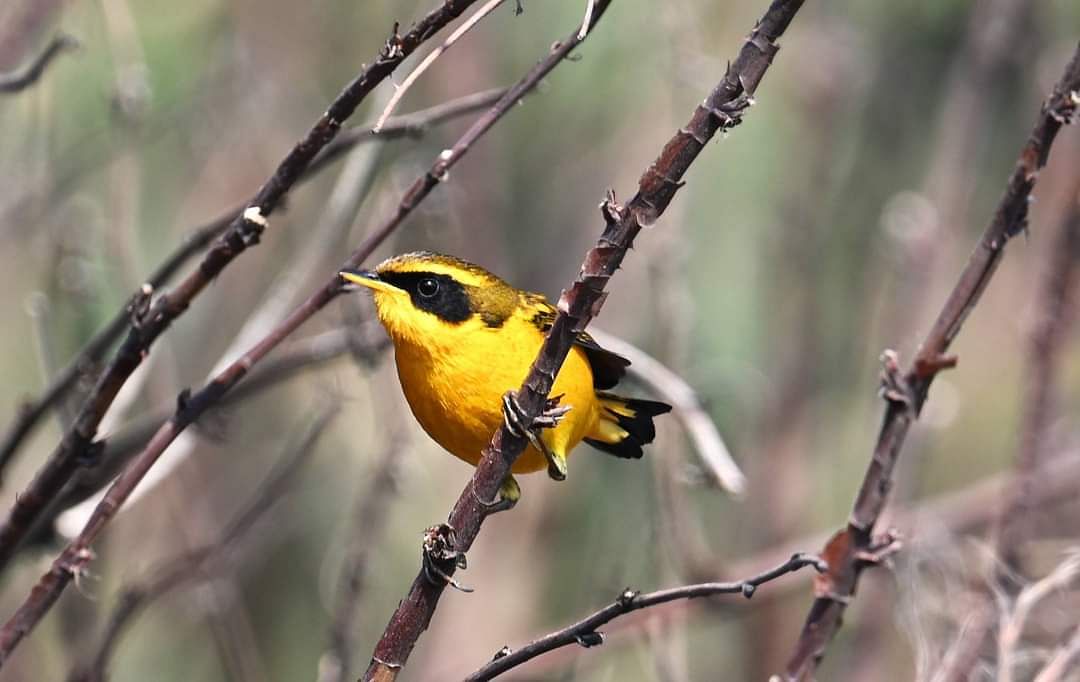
{"x": 509, "y": 494}
{"x": 514, "y": 416}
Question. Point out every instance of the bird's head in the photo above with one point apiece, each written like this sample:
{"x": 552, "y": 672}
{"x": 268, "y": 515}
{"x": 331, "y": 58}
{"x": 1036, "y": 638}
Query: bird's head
{"x": 423, "y": 296}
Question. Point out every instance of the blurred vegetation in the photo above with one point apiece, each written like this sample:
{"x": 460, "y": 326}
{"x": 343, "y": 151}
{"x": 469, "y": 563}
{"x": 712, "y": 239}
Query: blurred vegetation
{"x": 805, "y": 242}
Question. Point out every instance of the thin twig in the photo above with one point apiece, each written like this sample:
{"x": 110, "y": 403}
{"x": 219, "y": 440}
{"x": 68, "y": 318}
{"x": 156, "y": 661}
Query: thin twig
{"x": 199, "y": 564}
{"x": 853, "y": 548}
{"x": 708, "y": 443}
{"x": 151, "y": 317}
{"x": 590, "y": 6}
{"x": 722, "y": 109}
{"x": 414, "y": 75}
{"x": 414, "y": 124}
{"x": 1064, "y": 661}
{"x": 1011, "y": 628}
{"x": 190, "y": 407}
{"x": 20, "y": 79}
{"x": 584, "y": 632}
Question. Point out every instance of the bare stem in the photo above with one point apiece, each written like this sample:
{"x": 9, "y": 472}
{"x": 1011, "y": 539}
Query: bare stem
{"x": 854, "y": 547}
{"x": 722, "y": 109}
{"x": 199, "y": 564}
{"x": 190, "y": 407}
{"x": 414, "y": 124}
{"x": 150, "y": 317}
{"x": 20, "y": 79}
{"x": 584, "y": 632}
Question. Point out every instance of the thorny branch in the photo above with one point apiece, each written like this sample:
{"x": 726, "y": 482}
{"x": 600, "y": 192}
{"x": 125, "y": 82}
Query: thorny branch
{"x": 190, "y": 407}
{"x": 150, "y": 317}
{"x": 905, "y": 393}
{"x": 22, "y": 78}
{"x": 408, "y": 125}
{"x": 199, "y": 564}
{"x": 721, "y": 110}
{"x": 585, "y": 633}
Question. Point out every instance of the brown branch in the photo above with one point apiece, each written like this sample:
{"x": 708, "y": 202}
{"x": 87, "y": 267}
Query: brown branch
{"x": 853, "y": 547}
{"x": 299, "y": 357}
{"x": 965, "y": 511}
{"x": 722, "y": 109}
{"x": 77, "y": 554}
{"x": 198, "y": 564}
{"x": 150, "y": 318}
{"x": 584, "y": 632}
{"x": 22, "y": 78}
{"x": 409, "y": 125}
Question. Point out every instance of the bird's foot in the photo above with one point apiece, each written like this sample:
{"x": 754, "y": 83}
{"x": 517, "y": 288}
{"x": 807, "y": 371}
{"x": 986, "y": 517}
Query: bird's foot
{"x": 509, "y": 494}
{"x": 515, "y": 419}
{"x": 440, "y": 559}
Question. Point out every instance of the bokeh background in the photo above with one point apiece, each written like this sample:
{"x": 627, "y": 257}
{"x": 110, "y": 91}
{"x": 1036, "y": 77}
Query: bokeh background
{"x": 826, "y": 228}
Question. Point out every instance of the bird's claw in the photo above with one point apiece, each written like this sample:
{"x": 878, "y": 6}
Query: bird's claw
{"x": 515, "y": 419}
{"x": 439, "y": 558}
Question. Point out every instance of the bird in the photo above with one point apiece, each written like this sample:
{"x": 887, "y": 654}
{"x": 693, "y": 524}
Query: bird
{"x": 464, "y": 340}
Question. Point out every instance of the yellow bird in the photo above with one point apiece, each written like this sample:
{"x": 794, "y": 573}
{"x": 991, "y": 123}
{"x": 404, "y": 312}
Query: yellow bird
{"x": 463, "y": 339}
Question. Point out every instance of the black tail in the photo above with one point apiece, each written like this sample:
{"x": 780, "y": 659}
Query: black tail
{"x": 625, "y": 425}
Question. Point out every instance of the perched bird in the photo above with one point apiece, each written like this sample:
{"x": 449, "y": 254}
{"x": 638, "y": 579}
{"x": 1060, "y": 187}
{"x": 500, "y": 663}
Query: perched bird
{"x": 464, "y": 339}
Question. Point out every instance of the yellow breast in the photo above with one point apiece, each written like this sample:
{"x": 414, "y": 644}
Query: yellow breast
{"x": 454, "y": 381}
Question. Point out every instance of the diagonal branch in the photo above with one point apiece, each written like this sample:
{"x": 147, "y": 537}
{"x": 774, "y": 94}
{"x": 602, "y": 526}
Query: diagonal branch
{"x": 190, "y": 407}
{"x": 23, "y": 78}
{"x": 584, "y": 632}
{"x": 150, "y": 318}
{"x": 721, "y": 110}
{"x": 414, "y": 124}
{"x": 198, "y": 564}
{"x": 847, "y": 553}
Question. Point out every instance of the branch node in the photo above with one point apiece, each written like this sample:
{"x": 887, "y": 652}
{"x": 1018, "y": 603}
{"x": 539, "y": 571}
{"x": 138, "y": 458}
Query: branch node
{"x": 612, "y": 211}
{"x": 747, "y": 590}
{"x": 590, "y": 639}
{"x": 139, "y": 306}
{"x": 627, "y": 597}
{"x": 881, "y": 549}
{"x": 183, "y": 399}
{"x": 505, "y": 651}
{"x": 393, "y": 49}
{"x": 928, "y": 367}
{"x": 894, "y": 387}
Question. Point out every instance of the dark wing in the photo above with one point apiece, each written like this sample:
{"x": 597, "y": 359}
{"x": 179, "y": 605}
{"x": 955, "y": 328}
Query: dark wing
{"x": 607, "y": 367}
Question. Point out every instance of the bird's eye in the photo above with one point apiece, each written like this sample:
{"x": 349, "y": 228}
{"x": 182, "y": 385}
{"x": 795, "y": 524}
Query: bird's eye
{"x": 428, "y": 287}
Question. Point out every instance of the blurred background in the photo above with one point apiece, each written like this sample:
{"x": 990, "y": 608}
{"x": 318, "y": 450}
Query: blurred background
{"x": 826, "y": 228}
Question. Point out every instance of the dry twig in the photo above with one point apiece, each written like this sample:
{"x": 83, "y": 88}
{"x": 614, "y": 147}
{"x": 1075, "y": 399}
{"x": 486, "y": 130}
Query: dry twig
{"x": 721, "y": 110}
{"x": 190, "y": 407}
{"x": 407, "y": 125}
{"x": 414, "y": 75}
{"x": 699, "y": 426}
{"x": 150, "y": 317}
{"x": 585, "y": 633}
{"x": 855, "y": 547}
{"x": 20, "y": 79}
{"x": 199, "y": 564}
